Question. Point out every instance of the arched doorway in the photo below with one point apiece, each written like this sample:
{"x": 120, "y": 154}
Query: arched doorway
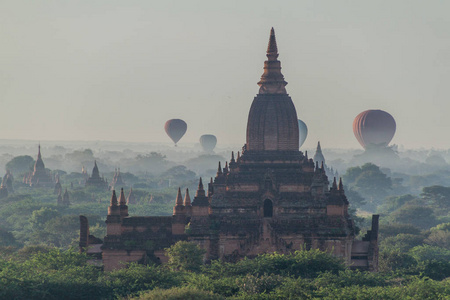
{"x": 268, "y": 208}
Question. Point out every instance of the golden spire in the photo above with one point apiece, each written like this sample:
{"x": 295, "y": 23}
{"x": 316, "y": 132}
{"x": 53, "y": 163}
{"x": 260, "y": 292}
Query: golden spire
{"x": 272, "y": 81}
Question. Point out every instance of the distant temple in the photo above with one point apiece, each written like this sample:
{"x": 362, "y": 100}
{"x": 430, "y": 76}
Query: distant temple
{"x": 6, "y": 187}
{"x": 58, "y": 187}
{"x": 63, "y": 200}
{"x": 95, "y": 179}
{"x": 131, "y": 199}
{"x": 117, "y": 180}
{"x": 40, "y": 177}
{"x": 269, "y": 198}
{"x": 320, "y": 158}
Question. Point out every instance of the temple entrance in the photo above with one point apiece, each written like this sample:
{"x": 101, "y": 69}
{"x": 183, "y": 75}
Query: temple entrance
{"x": 268, "y": 208}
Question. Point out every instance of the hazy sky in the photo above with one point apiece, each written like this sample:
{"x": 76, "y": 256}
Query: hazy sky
{"x": 117, "y": 70}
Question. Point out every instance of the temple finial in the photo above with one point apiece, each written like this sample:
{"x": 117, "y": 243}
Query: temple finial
{"x": 272, "y": 81}
{"x": 272, "y": 49}
{"x": 334, "y": 187}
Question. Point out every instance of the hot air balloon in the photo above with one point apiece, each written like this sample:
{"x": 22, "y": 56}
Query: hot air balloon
{"x": 374, "y": 128}
{"x": 302, "y": 132}
{"x": 208, "y": 142}
{"x": 175, "y": 129}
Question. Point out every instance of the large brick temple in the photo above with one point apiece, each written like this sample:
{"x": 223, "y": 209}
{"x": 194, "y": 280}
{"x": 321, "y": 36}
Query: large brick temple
{"x": 269, "y": 197}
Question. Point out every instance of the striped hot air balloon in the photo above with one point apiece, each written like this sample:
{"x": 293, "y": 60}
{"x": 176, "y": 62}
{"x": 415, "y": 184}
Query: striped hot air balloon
{"x": 374, "y": 128}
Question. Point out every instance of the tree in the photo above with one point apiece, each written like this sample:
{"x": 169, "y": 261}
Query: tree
{"x": 393, "y": 203}
{"x": 185, "y": 256}
{"x": 370, "y": 182}
{"x": 20, "y": 164}
{"x": 416, "y": 215}
{"x": 438, "y": 195}
{"x": 40, "y": 217}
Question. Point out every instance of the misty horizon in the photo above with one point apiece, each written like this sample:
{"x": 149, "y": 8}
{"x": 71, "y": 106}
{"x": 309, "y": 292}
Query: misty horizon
{"x": 117, "y": 71}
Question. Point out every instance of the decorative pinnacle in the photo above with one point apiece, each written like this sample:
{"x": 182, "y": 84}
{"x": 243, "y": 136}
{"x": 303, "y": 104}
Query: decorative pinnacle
{"x": 122, "y": 200}
{"x": 306, "y": 154}
{"x": 219, "y": 170}
{"x": 238, "y": 156}
{"x": 210, "y": 187}
{"x": 232, "y": 156}
{"x": 114, "y": 198}
{"x": 341, "y": 186}
{"x": 272, "y": 81}
{"x": 334, "y": 187}
{"x": 179, "y": 200}
{"x": 200, "y": 191}
{"x": 187, "y": 198}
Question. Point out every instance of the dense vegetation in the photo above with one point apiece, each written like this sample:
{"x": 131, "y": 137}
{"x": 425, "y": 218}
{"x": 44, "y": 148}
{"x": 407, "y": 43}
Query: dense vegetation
{"x": 37, "y": 238}
{"x": 49, "y": 273}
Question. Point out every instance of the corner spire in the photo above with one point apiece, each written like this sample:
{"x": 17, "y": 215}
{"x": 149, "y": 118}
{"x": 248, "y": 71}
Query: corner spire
{"x": 114, "y": 198}
{"x": 219, "y": 170}
{"x": 187, "y": 198}
{"x": 341, "y": 186}
{"x": 122, "y": 199}
{"x": 272, "y": 81}
{"x": 179, "y": 200}
{"x": 334, "y": 187}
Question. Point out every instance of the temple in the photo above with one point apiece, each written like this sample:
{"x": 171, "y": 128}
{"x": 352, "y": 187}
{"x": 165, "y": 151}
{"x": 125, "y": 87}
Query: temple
{"x": 268, "y": 198}
{"x": 40, "y": 177}
{"x": 95, "y": 180}
{"x": 117, "y": 180}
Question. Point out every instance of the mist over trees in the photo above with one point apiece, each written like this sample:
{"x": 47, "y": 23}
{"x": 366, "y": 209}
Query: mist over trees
{"x": 412, "y": 196}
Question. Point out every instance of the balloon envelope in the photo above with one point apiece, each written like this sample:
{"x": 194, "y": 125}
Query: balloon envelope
{"x": 302, "y": 132}
{"x": 374, "y": 128}
{"x": 208, "y": 142}
{"x": 175, "y": 129}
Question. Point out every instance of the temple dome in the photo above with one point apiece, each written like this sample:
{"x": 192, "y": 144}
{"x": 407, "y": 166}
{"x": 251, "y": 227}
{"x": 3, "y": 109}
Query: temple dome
{"x": 272, "y": 120}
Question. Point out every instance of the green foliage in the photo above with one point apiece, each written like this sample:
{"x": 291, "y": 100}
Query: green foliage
{"x": 185, "y": 256}
{"x": 252, "y": 284}
{"x": 41, "y": 216}
{"x": 416, "y": 215}
{"x": 402, "y": 241}
{"x": 7, "y": 238}
{"x": 439, "y": 238}
{"x": 392, "y": 229}
{"x": 395, "y": 260}
{"x": 137, "y": 278}
{"x": 20, "y": 164}
{"x": 307, "y": 264}
{"x": 182, "y": 293}
{"x": 370, "y": 182}
{"x": 437, "y": 195}
{"x": 393, "y": 203}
